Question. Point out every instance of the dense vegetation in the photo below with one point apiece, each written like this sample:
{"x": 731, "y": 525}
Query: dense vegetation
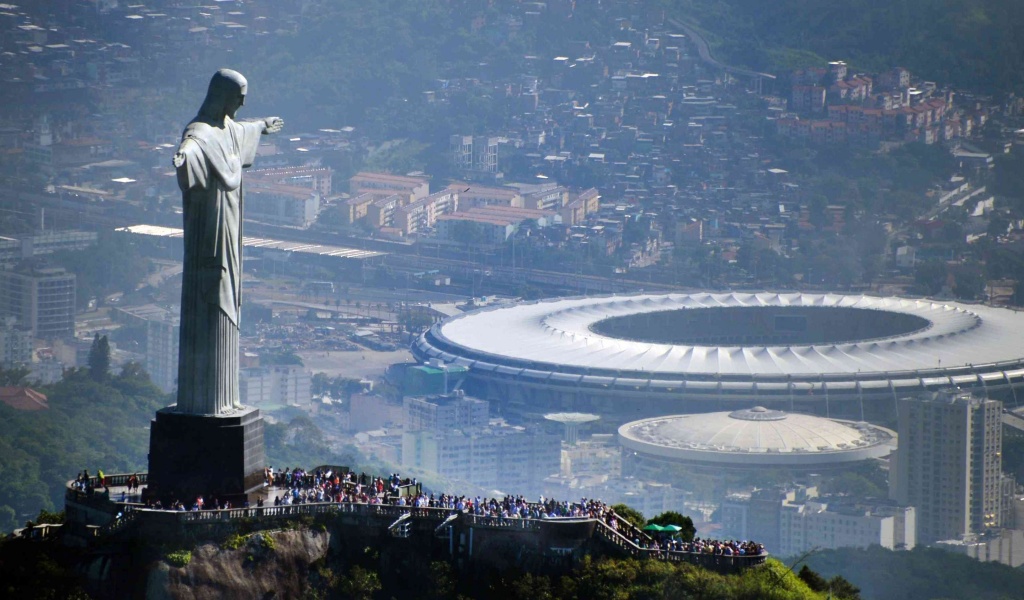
{"x": 366, "y": 575}
{"x": 923, "y": 573}
{"x": 91, "y": 424}
{"x": 101, "y": 421}
{"x": 971, "y": 44}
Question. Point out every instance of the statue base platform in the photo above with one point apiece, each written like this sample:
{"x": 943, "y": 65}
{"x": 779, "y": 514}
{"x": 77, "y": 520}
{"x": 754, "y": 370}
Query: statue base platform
{"x": 215, "y": 456}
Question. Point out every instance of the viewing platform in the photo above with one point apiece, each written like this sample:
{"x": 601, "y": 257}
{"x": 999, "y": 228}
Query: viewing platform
{"x": 113, "y": 514}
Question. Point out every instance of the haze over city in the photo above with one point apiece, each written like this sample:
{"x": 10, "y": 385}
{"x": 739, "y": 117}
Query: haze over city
{"x": 505, "y": 299}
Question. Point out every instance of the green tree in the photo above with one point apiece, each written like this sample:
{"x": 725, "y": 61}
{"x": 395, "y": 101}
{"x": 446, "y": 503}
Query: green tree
{"x": 467, "y": 232}
{"x": 46, "y": 516}
{"x": 13, "y": 376}
{"x": 442, "y": 581}
{"x": 530, "y": 587}
{"x": 840, "y": 588}
{"x": 930, "y": 277}
{"x": 630, "y": 514}
{"x": 671, "y": 517}
{"x": 414, "y": 321}
{"x": 813, "y": 580}
{"x": 99, "y": 358}
{"x": 359, "y": 584}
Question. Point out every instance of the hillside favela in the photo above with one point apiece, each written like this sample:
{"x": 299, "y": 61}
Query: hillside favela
{"x": 496, "y": 299}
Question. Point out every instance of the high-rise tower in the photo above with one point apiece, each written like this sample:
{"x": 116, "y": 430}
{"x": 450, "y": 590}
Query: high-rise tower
{"x": 949, "y": 464}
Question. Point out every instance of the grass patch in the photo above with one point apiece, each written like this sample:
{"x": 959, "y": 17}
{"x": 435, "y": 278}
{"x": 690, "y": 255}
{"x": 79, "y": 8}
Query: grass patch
{"x": 268, "y": 541}
{"x": 234, "y": 541}
{"x": 179, "y": 558}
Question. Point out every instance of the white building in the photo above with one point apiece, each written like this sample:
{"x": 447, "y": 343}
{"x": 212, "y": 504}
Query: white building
{"x": 443, "y": 413}
{"x": 15, "y": 342}
{"x": 279, "y": 204}
{"x": 278, "y": 385}
{"x": 949, "y": 464}
{"x": 1005, "y": 546}
{"x": 162, "y": 337}
{"x": 41, "y": 299}
{"x": 474, "y": 153}
{"x": 598, "y": 456}
{"x": 650, "y": 498}
{"x": 46, "y": 242}
{"x": 475, "y": 229}
{"x": 414, "y": 187}
{"x": 512, "y": 460}
{"x": 423, "y": 213}
{"x": 46, "y": 371}
{"x": 816, "y": 524}
{"x": 790, "y": 522}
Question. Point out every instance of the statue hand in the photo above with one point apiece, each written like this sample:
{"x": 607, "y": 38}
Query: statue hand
{"x": 274, "y": 124}
{"x": 179, "y": 159}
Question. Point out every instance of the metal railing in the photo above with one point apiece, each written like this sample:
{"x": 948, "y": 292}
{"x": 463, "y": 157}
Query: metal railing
{"x": 512, "y": 523}
{"x": 704, "y": 559}
{"x": 623, "y": 536}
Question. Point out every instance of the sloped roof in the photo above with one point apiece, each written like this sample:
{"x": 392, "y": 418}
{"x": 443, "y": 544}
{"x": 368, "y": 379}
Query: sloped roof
{"x": 23, "y": 398}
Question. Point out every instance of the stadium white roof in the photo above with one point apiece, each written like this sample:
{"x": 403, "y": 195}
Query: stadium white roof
{"x": 559, "y": 332}
{"x": 756, "y": 437}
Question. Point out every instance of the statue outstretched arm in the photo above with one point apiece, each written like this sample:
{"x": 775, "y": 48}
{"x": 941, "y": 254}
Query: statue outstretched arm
{"x": 273, "y": 124}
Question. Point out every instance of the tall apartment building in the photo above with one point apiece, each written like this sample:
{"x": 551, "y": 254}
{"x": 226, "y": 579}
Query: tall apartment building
{"x": 284, "y": 385}
{"x": 948, "y": 465}
{"x": 162, "y": 336}
{"x": 475, "y": 153}
{"x": 162, "y": 333}
{"x": 15, "y": 342}
{"x": 444, "y": 412}
{"x": 498, "y": 457}
{"x": 43, "y": 300}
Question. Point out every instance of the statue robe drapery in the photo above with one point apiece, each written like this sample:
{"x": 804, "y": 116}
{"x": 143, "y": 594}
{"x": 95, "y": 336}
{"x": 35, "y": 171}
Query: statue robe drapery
{"x": 211, "y": 291}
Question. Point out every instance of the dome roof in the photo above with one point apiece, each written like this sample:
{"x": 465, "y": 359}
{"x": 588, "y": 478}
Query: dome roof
{"x": 757, "y": 436}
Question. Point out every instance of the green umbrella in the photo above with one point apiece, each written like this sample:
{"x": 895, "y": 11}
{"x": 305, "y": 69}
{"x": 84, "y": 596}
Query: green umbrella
{"x": 654, "y": 527}
{"x": 672, "y": 528}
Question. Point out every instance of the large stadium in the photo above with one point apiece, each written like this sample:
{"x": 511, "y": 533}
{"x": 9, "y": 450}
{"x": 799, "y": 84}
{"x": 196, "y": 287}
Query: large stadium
{"x": 652, "y": 354}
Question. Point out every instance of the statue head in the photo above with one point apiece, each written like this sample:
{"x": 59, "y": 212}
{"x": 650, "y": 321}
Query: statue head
{"x": 225, "y": 95}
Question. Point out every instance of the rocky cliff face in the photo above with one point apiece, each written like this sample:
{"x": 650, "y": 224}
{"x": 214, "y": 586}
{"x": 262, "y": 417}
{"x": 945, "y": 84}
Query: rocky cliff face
{"x": 273, "y": 564}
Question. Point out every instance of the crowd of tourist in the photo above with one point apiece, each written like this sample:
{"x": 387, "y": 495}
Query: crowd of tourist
{"x": 83, "y": 483}
{"x": 298, "y": 486}
{"x": 668, "y": 544}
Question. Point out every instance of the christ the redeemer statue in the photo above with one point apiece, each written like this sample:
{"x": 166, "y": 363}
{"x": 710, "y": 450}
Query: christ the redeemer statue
{"x": 214, "y": 149}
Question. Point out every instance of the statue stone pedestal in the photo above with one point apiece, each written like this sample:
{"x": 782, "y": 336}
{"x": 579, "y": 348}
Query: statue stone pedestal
{"x": 215, "y": 456}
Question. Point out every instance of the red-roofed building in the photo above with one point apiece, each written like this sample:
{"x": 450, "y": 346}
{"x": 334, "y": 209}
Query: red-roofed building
{"x": 23, "y": 398}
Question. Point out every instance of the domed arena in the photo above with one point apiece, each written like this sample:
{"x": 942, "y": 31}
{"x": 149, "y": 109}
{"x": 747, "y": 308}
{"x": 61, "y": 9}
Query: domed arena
{"x": 755, "y": 438}
{"x": 650, "y": 354}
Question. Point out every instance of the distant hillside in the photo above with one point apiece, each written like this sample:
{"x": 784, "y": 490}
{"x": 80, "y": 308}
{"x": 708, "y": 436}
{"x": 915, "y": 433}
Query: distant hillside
{"x": 921, "y": 574}
{"x": 972, "y": 44}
